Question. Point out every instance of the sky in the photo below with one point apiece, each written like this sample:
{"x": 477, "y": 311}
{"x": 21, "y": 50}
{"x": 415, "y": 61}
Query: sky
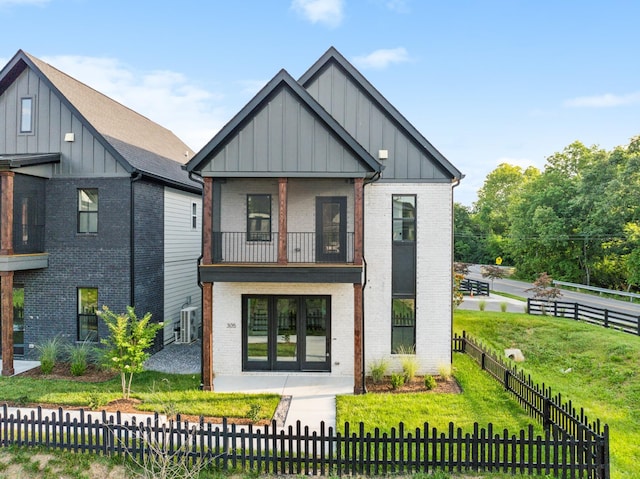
{"x": 485, "y": 81}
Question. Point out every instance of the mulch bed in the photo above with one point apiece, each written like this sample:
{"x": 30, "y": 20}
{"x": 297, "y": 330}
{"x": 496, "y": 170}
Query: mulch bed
{"x": 416, "y": 385}
{"x": 94, "y": 374}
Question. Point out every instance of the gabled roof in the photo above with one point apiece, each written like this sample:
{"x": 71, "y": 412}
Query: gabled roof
{"x": 137, "y": 143}
{"x": 332, "y": 56}
{"x": 282, "y": 81}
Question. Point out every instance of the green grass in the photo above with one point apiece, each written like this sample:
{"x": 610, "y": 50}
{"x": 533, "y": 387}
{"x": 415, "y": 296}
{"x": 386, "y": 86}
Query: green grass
{"x": 385, "y": 411}
{"x": 594, "y": 367}
{"x": 160, "y": 392}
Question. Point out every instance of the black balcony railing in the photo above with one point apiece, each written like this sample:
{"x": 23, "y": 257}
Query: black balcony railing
{"x": 237, "y": 247}
{"x": 28, "y": 239}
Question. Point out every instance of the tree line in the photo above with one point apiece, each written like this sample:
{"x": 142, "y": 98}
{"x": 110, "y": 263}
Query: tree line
{"x": 577, "y": 220}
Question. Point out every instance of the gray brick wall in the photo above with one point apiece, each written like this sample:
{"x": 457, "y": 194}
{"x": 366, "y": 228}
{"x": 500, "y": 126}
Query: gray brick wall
{"x": 149, "y": 252}
{"x": 76, "y": 260}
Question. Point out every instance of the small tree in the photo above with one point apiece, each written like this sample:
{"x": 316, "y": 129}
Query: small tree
{"x": 542, "y": 288}
{"x": 127, "y": 344}
{"x": 493, "y": 272}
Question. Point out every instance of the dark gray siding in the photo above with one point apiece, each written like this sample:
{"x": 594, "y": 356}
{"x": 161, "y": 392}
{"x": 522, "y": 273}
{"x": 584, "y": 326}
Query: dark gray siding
{"x": 149, "y": 251}
{"x": 83, "y": 157}
{"x": 284, "y": 137}
{"x": 97, "y": 261}
{"x": 374, "y": 130}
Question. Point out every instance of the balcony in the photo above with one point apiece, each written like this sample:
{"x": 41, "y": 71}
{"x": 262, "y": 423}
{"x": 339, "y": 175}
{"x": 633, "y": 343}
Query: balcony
{"x": 239, "y": 247}
{"x": 310, "y": 257}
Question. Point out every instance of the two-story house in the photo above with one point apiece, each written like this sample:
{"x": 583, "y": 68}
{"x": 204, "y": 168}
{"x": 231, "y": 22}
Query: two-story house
{"x": 95, "y": 210}
{"x": 327, "y": 233}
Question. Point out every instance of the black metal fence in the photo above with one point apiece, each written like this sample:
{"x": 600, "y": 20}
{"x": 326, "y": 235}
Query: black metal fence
{"x": 590, "y": 440}
{"x": 307, "y": 247}
{"x": 479, "y": 288}
{"x": 629, "y": 323}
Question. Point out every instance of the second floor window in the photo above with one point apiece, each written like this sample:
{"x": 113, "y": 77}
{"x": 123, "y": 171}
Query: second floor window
{"x": 88, "y": 211}
{"x": 258, "y": 217}
{"x": 404, "y": 218}
{"x": 194, "y": 216}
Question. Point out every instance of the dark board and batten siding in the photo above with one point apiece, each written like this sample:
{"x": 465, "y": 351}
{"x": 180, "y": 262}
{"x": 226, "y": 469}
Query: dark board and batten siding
{"x": 371, "y": 127}
{"x": 284, "y": 136}
{"x": 85, "y": 156}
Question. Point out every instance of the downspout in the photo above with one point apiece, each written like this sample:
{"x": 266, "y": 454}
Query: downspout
{"x": 132, "y": 300}
{"x": 198, "y": 179}
{"x": 373, "y": 179}
{"x": 456, "y": 182}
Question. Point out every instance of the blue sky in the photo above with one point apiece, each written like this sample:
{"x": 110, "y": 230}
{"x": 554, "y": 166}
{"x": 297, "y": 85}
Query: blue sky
{"x": 485, "y": 81}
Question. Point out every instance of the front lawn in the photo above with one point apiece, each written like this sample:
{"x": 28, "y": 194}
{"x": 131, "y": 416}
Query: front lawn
{"x": 160, "y": 392}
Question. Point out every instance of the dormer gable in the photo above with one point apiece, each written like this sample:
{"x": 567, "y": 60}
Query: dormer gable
{"x": 283, "y": 131}
{"x": 374, "y": 122}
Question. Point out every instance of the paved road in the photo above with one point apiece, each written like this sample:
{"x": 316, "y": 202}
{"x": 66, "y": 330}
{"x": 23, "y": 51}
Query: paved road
{"x": 518, "y": 288}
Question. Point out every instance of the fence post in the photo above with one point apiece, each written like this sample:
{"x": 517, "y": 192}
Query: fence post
{"x": 482, "y": 360}
{"x": 606, "y": 318}
{"x": 546, "y": 413}
{"x": 506, "y": 380}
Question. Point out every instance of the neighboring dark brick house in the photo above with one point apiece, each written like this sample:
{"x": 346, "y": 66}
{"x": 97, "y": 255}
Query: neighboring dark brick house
{"x": 84, "y": 188}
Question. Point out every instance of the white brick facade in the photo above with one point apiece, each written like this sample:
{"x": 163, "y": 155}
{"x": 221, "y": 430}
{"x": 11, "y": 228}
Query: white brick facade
{"x": 433, "y": 272}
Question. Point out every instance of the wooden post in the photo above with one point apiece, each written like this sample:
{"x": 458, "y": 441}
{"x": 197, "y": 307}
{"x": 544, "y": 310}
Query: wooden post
{"x": 358, "y": 326}
{"x": 6, "y": 207}
{"x": 6, "y": 306}
{"x": 207, "y": 336}
{"x": 358, "y": 221}
{"x": 282, "y": 221}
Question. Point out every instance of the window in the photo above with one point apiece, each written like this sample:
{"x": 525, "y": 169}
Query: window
{"x": 403, "y": 326}
{"x": 404, "y": 218}
{"x": 88, "y": 211}
{"x": 194, "y": 216}
{"x": 87, "y": 317}
{"x": 26, "y": 115}
{"x": 258, "y": 217}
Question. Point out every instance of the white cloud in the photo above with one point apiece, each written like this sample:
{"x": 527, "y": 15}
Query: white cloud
{"x": 399, "y": 6}
{"x": 166, "y": 97}
{"x": 11, "y": 3}
{"x": 382, "y": 58}
{"x": 604, "y": 101}
{"x": 327, "y": 12}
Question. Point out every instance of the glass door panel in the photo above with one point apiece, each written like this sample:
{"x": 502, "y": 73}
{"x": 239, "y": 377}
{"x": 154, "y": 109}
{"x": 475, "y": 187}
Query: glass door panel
{"x": 18, "y": 321}
{"x": 257, "y": 330}
{"x": 316, "y": 334}
{"x": 287, "y": 327}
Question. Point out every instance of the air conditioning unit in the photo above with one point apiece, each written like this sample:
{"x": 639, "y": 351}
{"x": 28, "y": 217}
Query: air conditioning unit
{"x": 189, "y": 325}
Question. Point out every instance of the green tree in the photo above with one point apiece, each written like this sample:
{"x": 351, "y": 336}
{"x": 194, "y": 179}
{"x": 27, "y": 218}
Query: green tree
{"x": 127, "y": 343}
{"x": 469, "y": 240}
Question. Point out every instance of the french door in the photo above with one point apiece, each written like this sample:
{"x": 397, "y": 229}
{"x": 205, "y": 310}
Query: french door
{"x": 331, "y": 229}
{"x": 286, "y": 333}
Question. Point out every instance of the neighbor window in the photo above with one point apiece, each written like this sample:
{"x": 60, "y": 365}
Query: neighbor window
{"x": 404, "y": 218}
{"x": 403, "y": 326}
{"x": 26, "y": 115}
{"x": 87, "y": 317}
{"x": 88, "y": 211}
{"x": 258, "y": 217}
{"x": 194, "y": 215}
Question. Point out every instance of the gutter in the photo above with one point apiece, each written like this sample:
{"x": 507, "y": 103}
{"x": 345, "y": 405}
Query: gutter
{"x": 198, "y": 179}
{"x": 373, "y": 179}
{"x": 456, "y": 182}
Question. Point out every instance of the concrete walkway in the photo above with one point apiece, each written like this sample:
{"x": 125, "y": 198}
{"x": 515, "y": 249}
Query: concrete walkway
{"x": 313, "y": 397}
